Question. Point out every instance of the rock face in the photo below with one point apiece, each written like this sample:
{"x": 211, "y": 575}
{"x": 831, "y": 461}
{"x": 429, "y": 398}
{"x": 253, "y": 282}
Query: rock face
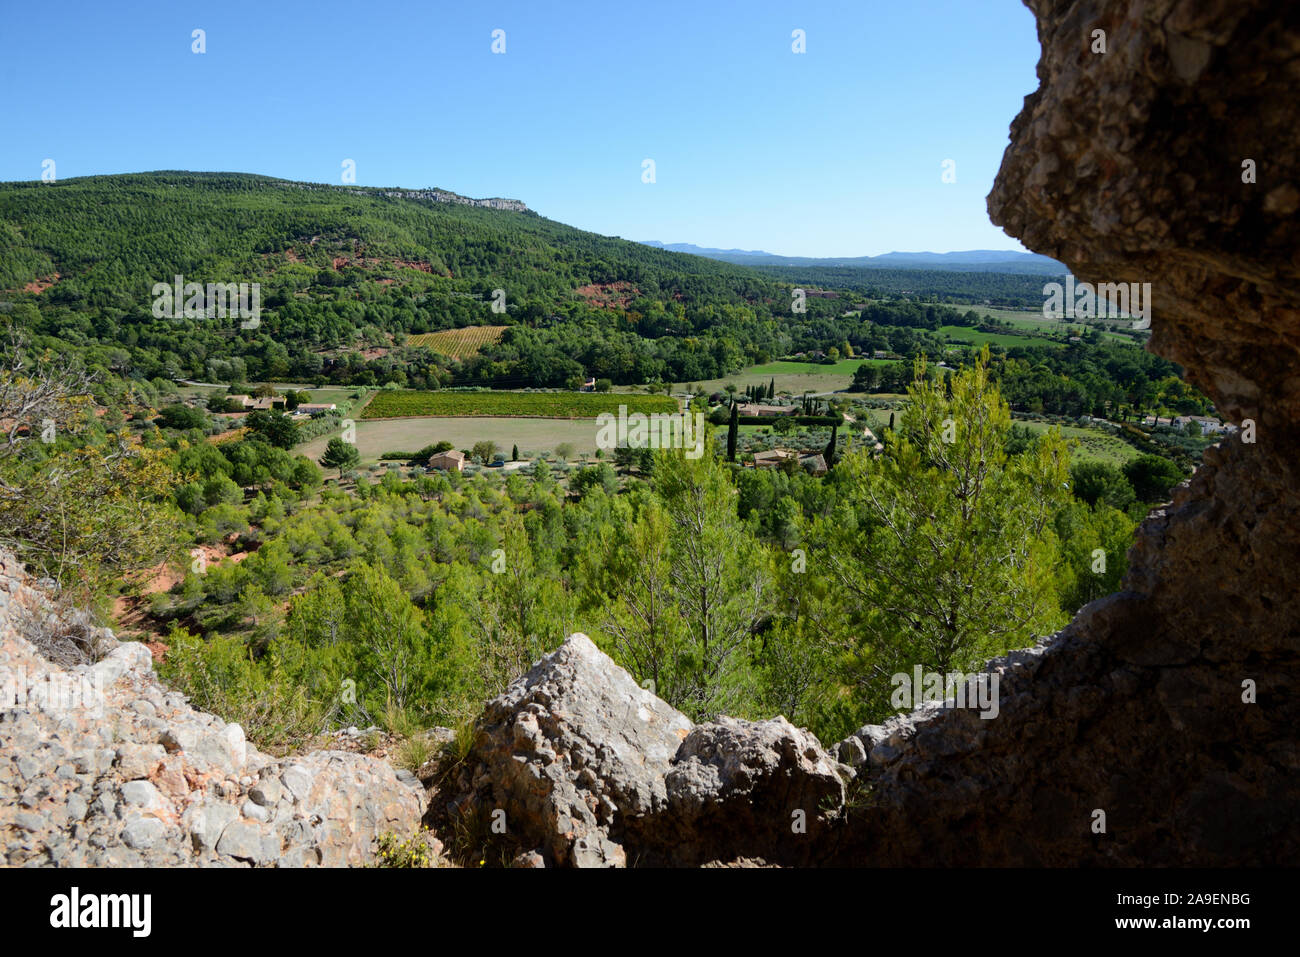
{"x": 100, "y": 765}
{"x": 581, "y": 767}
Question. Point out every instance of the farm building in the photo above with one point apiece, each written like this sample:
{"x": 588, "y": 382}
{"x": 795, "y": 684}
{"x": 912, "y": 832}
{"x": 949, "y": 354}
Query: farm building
{"x": 772, "y": 458}
{"x": 448, "y": 461}
{"x": 753, "y": 408}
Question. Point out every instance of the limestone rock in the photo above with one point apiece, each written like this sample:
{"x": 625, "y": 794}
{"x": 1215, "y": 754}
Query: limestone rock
{"x": 121, "y": 772}
{"x": 751, "y": 789}
{"x": 570, "y": 753}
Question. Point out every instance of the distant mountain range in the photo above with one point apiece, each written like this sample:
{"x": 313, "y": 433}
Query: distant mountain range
{"x": 971, "y": 260}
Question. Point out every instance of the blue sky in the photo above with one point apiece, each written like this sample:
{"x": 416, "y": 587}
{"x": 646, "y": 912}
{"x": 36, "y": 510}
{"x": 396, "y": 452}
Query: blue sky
{"x": 838, "y": 151}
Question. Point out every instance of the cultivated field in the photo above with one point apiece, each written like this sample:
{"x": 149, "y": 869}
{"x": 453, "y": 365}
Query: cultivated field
{"x": 974, "y": 337}
{"x": 563, "y": 405}
{"x": 458, "y": 343}
{"x": 792, "y": 377}
{"x": 534, "y": 436}
{"x": 1033, "y": 320}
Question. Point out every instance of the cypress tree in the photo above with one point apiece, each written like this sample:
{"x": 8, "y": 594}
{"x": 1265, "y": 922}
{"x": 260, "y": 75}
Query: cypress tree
{"x": 733, "y": 429}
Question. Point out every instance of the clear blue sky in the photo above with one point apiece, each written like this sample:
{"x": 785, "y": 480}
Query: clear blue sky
{"x": 835, "y": 152}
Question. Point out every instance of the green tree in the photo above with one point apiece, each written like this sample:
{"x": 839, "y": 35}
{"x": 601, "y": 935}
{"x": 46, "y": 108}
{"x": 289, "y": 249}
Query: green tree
{"x": 1152, "y": 477}
{"x": 277, "y": 428}
{"x": 182, "y": 417}
{"x": 1100, "y": 482}
{"x": 340, "y": 455}
{"x": 389, "y": 631}
{"x": 719, "y": 576}
{"x": 942, "y": 549}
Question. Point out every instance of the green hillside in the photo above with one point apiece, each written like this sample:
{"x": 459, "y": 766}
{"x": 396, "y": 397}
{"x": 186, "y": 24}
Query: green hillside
{"x": 341, "y": 270}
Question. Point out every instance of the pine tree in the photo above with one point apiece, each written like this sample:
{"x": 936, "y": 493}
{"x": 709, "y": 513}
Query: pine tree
{"x": 952, "y": 560}
{"x": 340, "y": 455}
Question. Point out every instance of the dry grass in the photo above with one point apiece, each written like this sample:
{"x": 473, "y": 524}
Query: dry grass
{"x": 63, "y": 634}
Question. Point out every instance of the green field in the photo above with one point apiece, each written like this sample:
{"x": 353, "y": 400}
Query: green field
{"x": 557, "y": 405}
{"x": 1034, "y": 321}
{"x": 792, "y": 378}
{"x": 842, "y": 367}
{"x": 975, "y": 337}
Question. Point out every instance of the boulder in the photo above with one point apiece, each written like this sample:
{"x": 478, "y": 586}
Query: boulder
{"x": 584, "y": 768}
{"x": 762, "y": 789}
{"x": 568, "y": 755}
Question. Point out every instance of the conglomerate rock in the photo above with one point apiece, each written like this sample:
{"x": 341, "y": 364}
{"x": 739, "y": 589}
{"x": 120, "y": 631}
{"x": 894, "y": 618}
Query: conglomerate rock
{"x": 569, "y": 753}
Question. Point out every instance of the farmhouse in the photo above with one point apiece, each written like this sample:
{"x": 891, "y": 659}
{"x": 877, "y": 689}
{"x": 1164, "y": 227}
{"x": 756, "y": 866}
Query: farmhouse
{"x": 815, "y": 462}
{"x": 265, "y": 404}
{"x": 772, "y": 458}
{"x": 311, "y": 408}
{"x": 448, "y": 461}
{"x": 753, "y": 408}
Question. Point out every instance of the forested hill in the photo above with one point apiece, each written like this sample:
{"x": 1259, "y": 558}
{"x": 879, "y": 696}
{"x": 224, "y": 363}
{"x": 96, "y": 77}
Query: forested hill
{"x": 112, "y": 237}
{"x": 351, "y": 277}
{"x": 347, "y": 275}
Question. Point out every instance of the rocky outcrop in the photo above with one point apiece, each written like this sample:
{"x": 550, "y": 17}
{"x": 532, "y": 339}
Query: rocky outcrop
{"x": 742, "y": 789}
{"x": 100, "y": 765}
{"x": 568, "y": 754}
{"x": 578, "y": 766}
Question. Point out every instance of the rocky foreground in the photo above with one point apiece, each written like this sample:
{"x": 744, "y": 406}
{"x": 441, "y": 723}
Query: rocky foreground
{"x": 100, "y": 765}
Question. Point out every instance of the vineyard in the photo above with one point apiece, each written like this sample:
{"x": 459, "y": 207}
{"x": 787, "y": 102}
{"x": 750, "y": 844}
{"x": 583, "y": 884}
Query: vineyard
{"x": 559, "y": 405}
{"x": 458, "y": 343}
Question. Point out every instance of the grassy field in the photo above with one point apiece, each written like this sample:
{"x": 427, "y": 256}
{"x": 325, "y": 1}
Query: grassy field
{"x": 794, "y": 378}
{"x": 458, "y": 343}
{"x": 1034, "y": 321}
{"x": 534, "y": 436}
{"x": 975, "y": 337}
{"x": 563, "y": 405}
